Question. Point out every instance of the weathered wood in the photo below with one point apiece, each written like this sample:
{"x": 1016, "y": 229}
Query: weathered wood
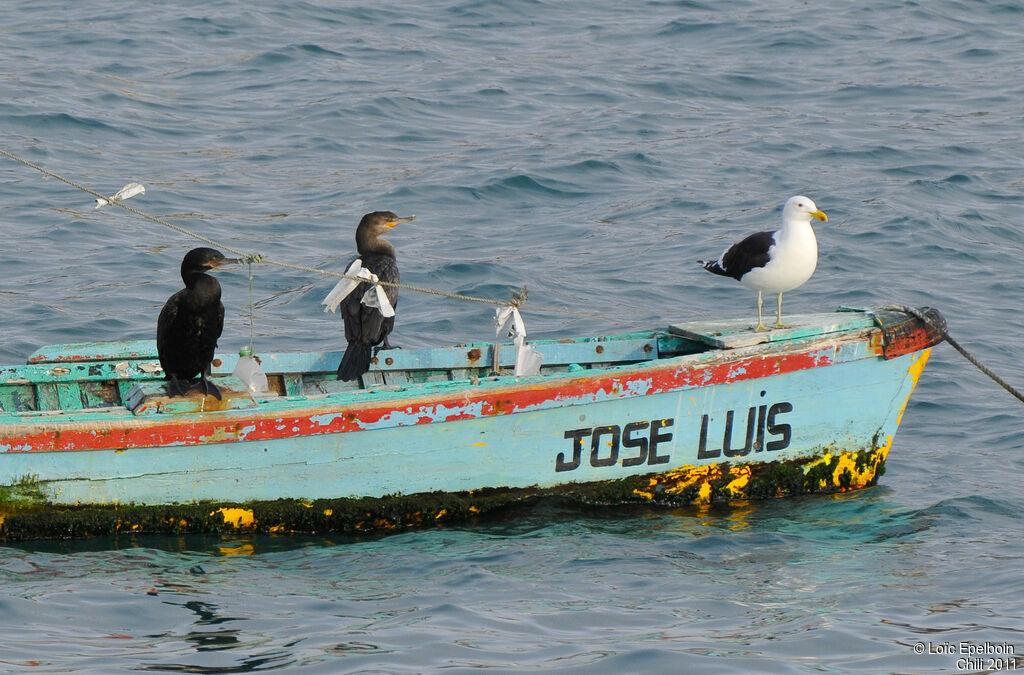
{"x": 662, "y": 416}
{"x": 733, "y": 333}
{"x": 150, "y": 398}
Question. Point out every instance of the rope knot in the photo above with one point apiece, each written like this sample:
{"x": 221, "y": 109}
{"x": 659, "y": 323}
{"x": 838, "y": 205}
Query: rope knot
{"x": 254, "y": 258}
{"x": 519, "y": 297}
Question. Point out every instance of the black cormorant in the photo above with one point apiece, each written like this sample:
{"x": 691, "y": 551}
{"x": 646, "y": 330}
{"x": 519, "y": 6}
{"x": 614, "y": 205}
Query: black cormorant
{"x": 190, "y": 324}
{"x": 365, "y": 326}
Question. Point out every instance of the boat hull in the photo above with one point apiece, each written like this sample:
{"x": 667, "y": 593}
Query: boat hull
{"x": 814, "y": 414}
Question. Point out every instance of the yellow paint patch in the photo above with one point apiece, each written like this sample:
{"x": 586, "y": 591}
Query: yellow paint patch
{"x": 914, "y": 372}
{"x": 240, "y": 518}
{"x": 736, "y": 486}
{"x": 680, "y": 479}
{"x": 883, "y": 452}
{"x": 859, "y": 478}
{"x": 824, "y": 459}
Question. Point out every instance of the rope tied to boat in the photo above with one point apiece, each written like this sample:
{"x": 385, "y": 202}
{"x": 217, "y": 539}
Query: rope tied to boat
{"x": 941, "y": 329}
{"x": 518, "y": 297}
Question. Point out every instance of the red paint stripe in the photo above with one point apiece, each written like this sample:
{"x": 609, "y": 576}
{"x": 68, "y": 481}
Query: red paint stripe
{"x": 186, "y": 430}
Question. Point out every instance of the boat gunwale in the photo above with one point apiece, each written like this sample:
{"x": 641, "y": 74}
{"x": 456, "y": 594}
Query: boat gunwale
{"x": 466, "y": 390}
{"x": 571, "y": 387}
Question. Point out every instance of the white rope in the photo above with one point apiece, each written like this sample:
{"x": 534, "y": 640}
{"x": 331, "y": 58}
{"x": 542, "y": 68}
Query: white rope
{"x": 251, "y": 258}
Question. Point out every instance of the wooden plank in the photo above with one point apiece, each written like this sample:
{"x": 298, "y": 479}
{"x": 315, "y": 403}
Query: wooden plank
{"x": 17, "y": 398}
{"x": 467, "y": 356}
{"x": 46, "y": 397}
{"x": 292, "y": 384}
{"x": 122, "y": 350}
{"x": 396, "y": 377}
{"x": 138, "y": 359}
{"x": 733, "y": 333}
{"x": 69, "y": 396}
{"x": 150, "y": 398}
{"x": 78, "y": 371}
{"x": 100, "y": 394}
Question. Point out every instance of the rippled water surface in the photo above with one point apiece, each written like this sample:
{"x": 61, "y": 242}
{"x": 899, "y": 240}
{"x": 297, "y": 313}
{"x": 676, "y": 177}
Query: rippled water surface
{"x": 591, "y": 151}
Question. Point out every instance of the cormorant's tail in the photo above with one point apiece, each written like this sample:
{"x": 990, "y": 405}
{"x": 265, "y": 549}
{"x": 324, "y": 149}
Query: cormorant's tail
{"x": 355, "y": 362}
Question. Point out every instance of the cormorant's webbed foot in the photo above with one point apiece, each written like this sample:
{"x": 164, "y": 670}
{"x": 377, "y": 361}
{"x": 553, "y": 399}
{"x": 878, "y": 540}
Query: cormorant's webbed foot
{"x": 383, "y": 346}
{"x": 208, "y": 388}
{"x": 176, "y": 387}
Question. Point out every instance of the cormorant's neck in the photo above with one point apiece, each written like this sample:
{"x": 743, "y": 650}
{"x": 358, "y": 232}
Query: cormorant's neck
{"x": 367, "y": 243}
{"x": 203, "y": 284}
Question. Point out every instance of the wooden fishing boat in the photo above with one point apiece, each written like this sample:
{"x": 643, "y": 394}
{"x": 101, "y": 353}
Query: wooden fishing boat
{"x": 696, "y": 412}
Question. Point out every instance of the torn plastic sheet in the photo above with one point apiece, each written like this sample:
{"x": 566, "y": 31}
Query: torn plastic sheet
{"x": 127, "y": 192}
{"x": 528, "y": 359}
{"x": 374, "y": 297}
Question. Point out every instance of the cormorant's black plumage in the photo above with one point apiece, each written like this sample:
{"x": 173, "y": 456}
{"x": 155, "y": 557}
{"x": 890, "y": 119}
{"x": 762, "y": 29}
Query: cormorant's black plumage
{"x": 190, "y": 324}
{"x": 366, "y": 327}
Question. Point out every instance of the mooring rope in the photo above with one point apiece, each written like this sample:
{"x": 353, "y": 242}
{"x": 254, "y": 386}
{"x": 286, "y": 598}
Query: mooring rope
{"x": 518, "y": 297}
{"x": 944, "y": 331}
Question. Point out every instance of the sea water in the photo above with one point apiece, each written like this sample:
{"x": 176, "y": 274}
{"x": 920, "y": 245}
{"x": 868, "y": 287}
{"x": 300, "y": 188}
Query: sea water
{"x": 591, "y": 152}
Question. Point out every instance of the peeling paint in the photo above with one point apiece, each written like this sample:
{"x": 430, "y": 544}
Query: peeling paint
{"x": 832, "y": 459}
{"x": 830, "y": 471}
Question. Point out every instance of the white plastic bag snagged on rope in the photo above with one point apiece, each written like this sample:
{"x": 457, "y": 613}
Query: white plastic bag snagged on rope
{"x": 374, "y": 297}
{"x": 528, "y": 359}
{"x": 127, "y": 192}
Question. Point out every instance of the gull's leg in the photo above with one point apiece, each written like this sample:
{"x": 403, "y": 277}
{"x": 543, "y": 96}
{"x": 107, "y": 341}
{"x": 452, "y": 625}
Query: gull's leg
{"x": 778, "y": 314}
{"x": 760, "y": 326}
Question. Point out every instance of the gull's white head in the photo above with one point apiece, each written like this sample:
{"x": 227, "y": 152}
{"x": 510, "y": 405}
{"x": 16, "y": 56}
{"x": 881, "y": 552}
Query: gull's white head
{"x": 802, "y": 209}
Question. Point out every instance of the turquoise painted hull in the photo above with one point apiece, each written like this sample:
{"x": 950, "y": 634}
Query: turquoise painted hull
{"x": 667, "y": 416}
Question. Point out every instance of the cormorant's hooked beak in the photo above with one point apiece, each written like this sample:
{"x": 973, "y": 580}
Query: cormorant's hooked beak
{"x": 820, "y": 215}
{"x": 397, "y": 221}
{"x": 224, "y": 261}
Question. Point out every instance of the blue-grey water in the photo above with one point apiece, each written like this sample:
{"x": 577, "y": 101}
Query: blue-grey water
{"x": 591, "y": 151}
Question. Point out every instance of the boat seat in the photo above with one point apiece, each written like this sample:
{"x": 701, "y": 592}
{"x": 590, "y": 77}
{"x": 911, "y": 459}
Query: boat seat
{"x": 733, "y": 333}
{"x": 150, "y": 398}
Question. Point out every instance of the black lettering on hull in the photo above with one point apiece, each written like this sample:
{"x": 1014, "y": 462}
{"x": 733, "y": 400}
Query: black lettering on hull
{"x": 636, "y": 446}
{"x": 761, "y": 421}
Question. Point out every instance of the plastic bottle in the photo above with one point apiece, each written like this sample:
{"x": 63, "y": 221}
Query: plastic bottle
{"x": 249, "y": 371}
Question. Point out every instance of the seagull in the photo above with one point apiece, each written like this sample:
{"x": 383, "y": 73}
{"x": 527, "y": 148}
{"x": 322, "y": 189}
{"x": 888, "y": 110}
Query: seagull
{"x": 774, "y": 262}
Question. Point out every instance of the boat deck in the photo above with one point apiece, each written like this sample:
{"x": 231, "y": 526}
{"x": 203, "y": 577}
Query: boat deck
{"x": 115, "y": 376}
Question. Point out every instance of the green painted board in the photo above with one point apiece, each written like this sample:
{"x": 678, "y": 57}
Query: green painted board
{"x": 733, "y": 333}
